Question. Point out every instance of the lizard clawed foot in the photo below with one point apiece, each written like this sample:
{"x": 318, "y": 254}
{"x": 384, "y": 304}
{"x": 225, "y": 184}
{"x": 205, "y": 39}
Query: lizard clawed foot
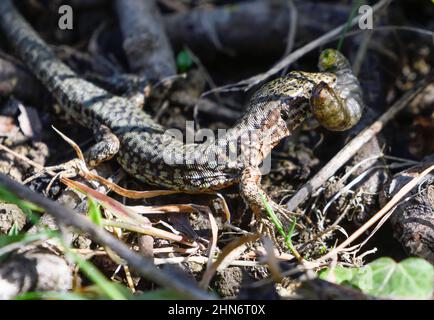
{"x": 267, "y": 228}
{"x": 68, "y": 169}
{"x": 106, "y": 148}
{"x": 267, "y": 212}
{"x": 282, "y": 212}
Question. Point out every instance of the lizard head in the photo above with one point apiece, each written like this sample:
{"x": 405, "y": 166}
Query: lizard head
{"x": 337, "y": 105}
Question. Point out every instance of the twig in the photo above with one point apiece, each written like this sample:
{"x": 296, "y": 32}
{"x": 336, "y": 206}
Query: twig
{"x": 204, "y": 260}
{"x": 291, "y": 31}
{"x": 260, "y": 26}
{"x": 25, "y": 159}
{"x": 17, "y": 81}
{"x": 335, "y": 224}
{"x": 295, "y": 55}
{"x": 388, "y": 207}
{"x": 354, "y": 145}
{"x": 214, "y": 235}
{"x": 141, "y": 265}
{"x": 145, "y": 42}
{"x": 272, "y": 261}
{"x": 229, "y": 253}
{"x": 348, "y": 25}
{"x": 361, "y": 52}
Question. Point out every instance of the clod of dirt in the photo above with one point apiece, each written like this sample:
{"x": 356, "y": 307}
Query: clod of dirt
{"x": 413, "y": 219}
{"x": 11, "y": 214}
{"x": 195, "y": 268}
{"x": 228, "y": 282}
{"x": 34, "y": 270}
{"x": 82, "y": 242}
{"x": 36, "y": 151}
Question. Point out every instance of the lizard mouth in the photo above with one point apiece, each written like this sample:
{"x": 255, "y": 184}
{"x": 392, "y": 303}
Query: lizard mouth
{"x": 338, "y": 106}
{"x": 331, "y": 111}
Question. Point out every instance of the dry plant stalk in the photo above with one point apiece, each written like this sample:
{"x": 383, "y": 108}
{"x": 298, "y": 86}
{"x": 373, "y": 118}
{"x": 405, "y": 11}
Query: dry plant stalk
{"x": 387, "y": 208}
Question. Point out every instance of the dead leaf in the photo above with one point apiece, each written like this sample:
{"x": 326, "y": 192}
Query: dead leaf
{"x": 29, "y": 122}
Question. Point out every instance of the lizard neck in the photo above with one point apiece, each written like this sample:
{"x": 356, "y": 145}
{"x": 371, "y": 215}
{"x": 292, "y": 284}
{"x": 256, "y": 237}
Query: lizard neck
{"x": 274, "y": 112}
{"x": 251, "y": 139}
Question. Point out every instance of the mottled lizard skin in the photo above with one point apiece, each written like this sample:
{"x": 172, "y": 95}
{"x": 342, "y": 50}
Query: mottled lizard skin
{"x": 273, "y": 113}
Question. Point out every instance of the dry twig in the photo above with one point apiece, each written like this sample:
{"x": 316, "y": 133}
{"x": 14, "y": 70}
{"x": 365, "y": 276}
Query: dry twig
{"x": 141, "y": 265}
{"x": 295, "y": 55}
{"x": 145, "y": 43}
{"x": 380, "y": 214}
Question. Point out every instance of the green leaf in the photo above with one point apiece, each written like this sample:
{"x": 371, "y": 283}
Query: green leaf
{"x": 273, "y": 216}
{"x": 412, "y": 278}
{"x": 27, "y": 207}
{"x": 347, "y": 26}
{"x": 362, "y": 279}
{"x": 49, "y": 295}
{"x": 9, "y": 197}
{"x": 279, "y": 226}
{"x": 340, "y": 274}
{"x": 160, "y": 294}
{"x": 288, "y": 238}
{"x": 108, "y": 288}
{"x": 24, "y": 238}
{"x": 94, "y": 211}
{"x": 184, "y": 61}
{"x": 14, "y": 230}
{"x": 10, "y": 242}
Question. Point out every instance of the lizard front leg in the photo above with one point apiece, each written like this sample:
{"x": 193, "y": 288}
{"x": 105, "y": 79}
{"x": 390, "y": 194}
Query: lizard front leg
{"x": 107, "y": 147}
{"x": 252, "y": 193}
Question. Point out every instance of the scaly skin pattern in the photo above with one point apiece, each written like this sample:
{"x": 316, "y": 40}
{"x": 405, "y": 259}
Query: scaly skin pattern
{"x": 147, "y": 151}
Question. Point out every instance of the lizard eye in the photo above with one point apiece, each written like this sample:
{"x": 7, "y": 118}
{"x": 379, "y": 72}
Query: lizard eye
{"x": 330, "y": 110}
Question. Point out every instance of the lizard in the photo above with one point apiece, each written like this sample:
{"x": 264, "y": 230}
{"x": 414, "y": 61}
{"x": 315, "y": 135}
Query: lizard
{"x": 150, "y": 153}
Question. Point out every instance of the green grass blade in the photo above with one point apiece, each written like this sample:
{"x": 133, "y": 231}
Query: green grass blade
{"x": 9, "y": 243}
{"x": 94, "y": 211}
{"x": 279, "y": 226}
{"x": 97, "y": 277}
{"x": 50, "y": 296}
{"x": 347, "y": 26}
{"x": 27, "y": 207}
{"x": 13, "y": 231}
